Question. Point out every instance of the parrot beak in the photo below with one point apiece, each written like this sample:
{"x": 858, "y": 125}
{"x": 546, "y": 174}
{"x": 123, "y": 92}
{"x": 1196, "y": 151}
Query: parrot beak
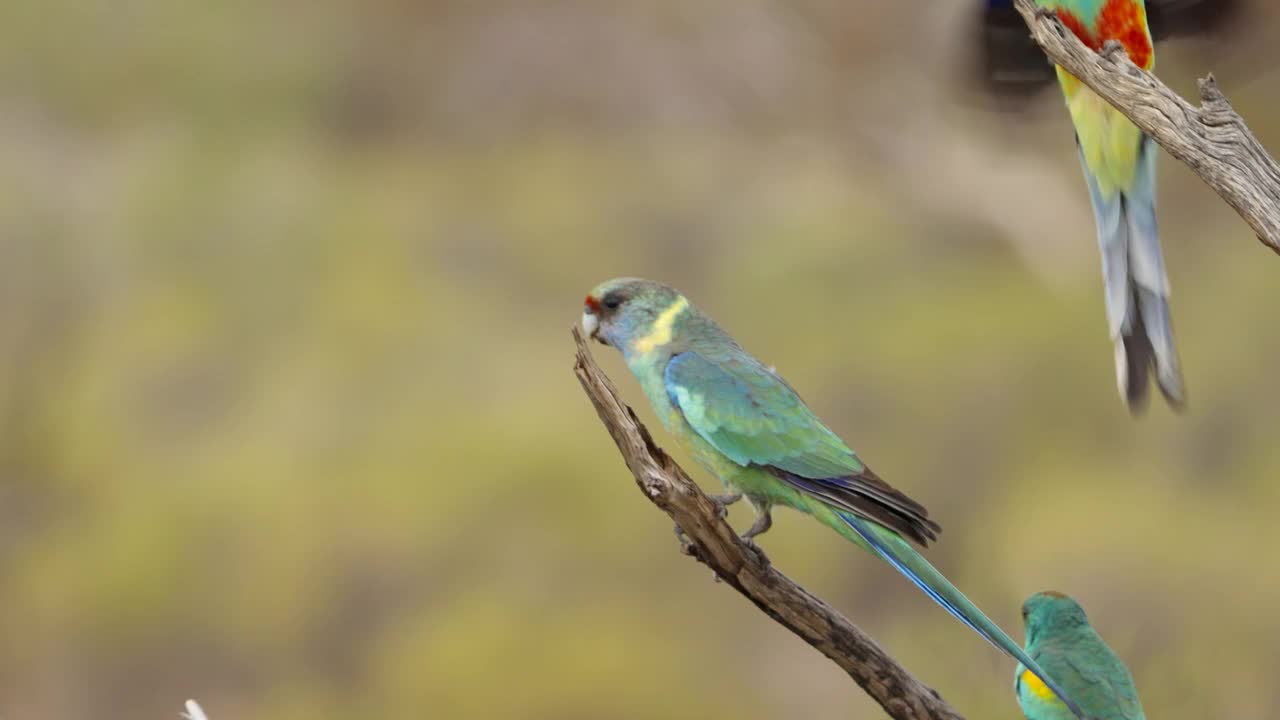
{"x": 591, "y": 326}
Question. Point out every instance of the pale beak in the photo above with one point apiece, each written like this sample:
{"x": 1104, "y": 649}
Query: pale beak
{"x": 591, "y": 326}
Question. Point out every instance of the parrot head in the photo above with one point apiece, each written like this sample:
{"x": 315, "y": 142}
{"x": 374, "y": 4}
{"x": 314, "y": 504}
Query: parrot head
{"x": 1051, "y": 612}
{"x": 623, "y": 311}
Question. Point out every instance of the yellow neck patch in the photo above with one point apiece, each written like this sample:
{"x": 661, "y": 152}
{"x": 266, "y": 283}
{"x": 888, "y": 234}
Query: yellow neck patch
{"x": 661, "y": 332}
{"x": 1037, "y": 686}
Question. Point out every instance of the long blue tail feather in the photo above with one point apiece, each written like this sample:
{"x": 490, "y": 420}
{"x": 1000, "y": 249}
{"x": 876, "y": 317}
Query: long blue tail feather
{"x": 993, "y": 634}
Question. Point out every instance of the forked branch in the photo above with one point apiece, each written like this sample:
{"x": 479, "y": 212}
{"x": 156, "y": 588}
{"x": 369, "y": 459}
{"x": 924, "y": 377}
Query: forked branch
{"x": 1213, "y": 140}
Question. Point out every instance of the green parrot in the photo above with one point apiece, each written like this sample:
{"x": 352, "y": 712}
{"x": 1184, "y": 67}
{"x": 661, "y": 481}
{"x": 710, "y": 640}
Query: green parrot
{"x": 742, "y": 422}
{"x": 1060, "y": 638}
{"x": 1119, "y": 164}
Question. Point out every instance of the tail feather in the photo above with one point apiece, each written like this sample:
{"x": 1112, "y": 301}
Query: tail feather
{"x": 1158, "y": 331}
{"x": 1134, "y": 358}
{"x": 1150, "y": 283}
{"x": 1137, "y": 288}
{"x": 904, "y": 558}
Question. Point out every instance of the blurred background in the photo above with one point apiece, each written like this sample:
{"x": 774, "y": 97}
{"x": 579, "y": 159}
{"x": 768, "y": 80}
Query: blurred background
{"x": 287, "y": 416}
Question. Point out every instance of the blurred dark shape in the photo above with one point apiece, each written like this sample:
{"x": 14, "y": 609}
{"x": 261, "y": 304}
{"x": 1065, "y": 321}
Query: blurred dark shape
{"x": 1012, "y": 67}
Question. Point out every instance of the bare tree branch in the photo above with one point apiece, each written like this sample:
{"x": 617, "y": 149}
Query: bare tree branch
{"x": 1212, "y": 139}
{"x": 715, "y": 544}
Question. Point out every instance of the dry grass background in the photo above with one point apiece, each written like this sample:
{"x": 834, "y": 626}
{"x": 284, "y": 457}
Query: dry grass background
{"x": 287, "y": 421}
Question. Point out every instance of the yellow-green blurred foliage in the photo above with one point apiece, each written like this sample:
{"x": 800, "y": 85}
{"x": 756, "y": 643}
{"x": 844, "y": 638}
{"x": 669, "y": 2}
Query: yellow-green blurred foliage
{"x": 287, "y": 421}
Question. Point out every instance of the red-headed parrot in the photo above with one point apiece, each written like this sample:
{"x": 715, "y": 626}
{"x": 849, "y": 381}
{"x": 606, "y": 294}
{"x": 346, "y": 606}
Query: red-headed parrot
{"x": 1119, "y": 169}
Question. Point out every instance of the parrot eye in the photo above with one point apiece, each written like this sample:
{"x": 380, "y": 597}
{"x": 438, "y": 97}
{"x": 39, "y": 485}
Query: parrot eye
{"x": 612, "y": 302}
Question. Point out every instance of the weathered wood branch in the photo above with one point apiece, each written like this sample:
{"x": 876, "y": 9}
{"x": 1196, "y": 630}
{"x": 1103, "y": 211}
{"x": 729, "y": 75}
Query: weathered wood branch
{"x": 1213, "y": 140}
{"x": 713, "y": 542}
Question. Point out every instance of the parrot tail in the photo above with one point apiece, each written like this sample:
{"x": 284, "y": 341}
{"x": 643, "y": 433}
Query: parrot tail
{"x": 1137, "y": 289}
{"x": 899, "y": 553}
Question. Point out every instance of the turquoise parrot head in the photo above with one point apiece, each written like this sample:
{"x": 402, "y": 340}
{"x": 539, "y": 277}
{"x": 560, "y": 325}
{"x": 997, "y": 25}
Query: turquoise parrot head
{"x": 622, "y": 311}
{"x": 1049, "y": 613}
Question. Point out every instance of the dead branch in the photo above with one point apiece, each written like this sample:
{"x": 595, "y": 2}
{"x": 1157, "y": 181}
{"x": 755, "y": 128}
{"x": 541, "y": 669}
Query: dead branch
{"x": 1213, "y": 140}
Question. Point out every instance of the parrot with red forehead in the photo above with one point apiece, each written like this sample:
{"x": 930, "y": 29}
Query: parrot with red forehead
{"x": 742, "y": 422}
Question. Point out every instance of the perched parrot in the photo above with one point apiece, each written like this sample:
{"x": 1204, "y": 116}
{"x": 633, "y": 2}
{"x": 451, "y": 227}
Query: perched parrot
{"x": 1060, "y": 638}
{"x": 1119, "y": 164}
{"x": 1011, "y": 65}
{"x": 748, "y": 427}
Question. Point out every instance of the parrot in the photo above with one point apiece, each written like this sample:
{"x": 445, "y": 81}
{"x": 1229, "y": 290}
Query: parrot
{"x": 749, "y": 428}
{"x": 1012, "y": 66}
{"x": 1119, "y": 163}
{"x": 1060, "y": 638}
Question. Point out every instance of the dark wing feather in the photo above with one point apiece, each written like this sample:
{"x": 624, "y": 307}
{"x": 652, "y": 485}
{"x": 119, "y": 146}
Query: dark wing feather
{"x": 868, "y": 496}
{"x": 754, "y": 418}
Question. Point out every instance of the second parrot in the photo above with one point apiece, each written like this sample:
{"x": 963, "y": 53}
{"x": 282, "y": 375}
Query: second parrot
{"x": 1060, "y": 638}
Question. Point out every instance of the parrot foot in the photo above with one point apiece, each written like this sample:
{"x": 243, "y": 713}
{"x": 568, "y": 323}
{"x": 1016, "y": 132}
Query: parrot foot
{"x": 763, "y": 522}
{"x": 1112, "y": 48}
{"x": 722, "y": 502}
{"x": 1044, "y": 12}
{"x": 680, "y": 534}
{"x": 688, "y": 548}
{"x": 686, "y": 545}
{"x": 759, "y": 551}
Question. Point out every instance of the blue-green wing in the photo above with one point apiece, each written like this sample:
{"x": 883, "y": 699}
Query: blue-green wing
{"x": 753, "y": 417}
{"x": 1092, "y": 676}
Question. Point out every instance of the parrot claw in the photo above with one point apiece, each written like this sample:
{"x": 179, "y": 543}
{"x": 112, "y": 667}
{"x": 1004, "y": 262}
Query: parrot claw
{"x": 688, "y": 548}
{"x": 679, "y": 531}
{"x": 722, "y": 503}
{"x": 1044, "y": 12}
{"x": 686, "y": 545}
{"x": 759, "y": 551}
{"x": 763, "y": 522}
{"x": 1112, "y": 48}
